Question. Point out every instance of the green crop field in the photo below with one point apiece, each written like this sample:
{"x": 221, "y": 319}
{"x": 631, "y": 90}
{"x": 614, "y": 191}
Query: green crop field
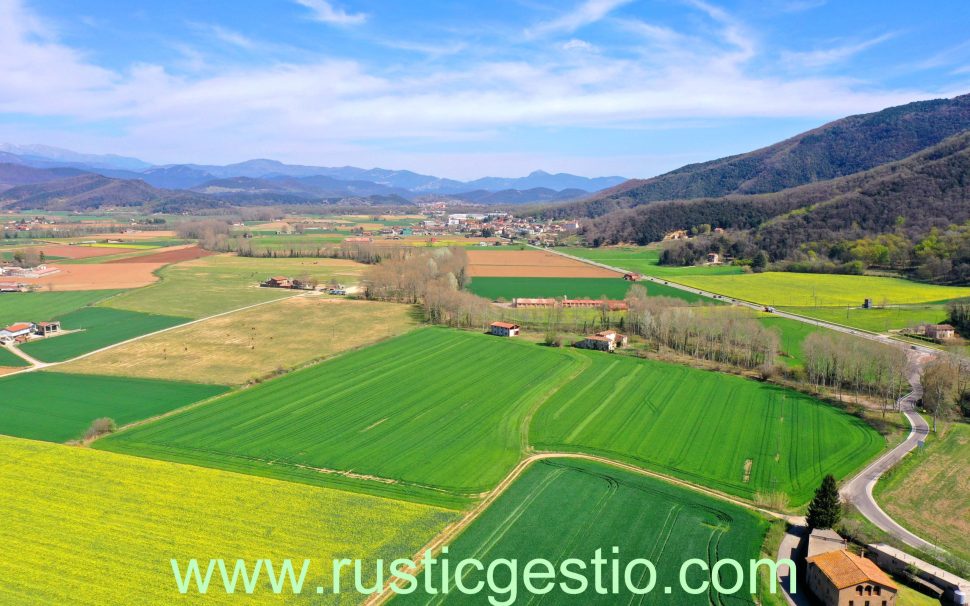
{"x": 877, "y": 319}
{"x": 9, "y": 359}
{"x": 59, "y": 407}
{"x": 788, "y": 289}
{"x": 90, "y": 527}
{"x": 561, "y": 509}
{"x": 644, "y": 260}
{"x": 733, "y": 434}
{"x": 44, "y": 306}
{"x": 97, "y": 327}
{"x": 431, "y": 411}
{"x": 792, "y": 334}
{"x": 574, "y": 288}
{"x": 219, "y": 283}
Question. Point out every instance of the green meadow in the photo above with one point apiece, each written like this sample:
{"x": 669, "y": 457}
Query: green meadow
{"x": 44, "y": 306}
{"x": 573, "y": 288}
{"x": 58, "y": 407}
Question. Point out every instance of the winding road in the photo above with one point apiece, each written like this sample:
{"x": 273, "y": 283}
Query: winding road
{"x": 858, "y": 489}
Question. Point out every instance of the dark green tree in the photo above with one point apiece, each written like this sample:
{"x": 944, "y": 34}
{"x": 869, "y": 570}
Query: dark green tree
{"x": 760, "y": 262}
{"x": 825, "y": 510}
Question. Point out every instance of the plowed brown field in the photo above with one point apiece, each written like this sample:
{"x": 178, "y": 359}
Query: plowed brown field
{"x": 530, "y": 264}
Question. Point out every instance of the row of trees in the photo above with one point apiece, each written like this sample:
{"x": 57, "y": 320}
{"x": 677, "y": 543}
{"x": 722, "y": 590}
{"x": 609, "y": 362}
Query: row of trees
{"x": 727, "y": 336}
{"x": 842, "y": 362}
{"x": 946, "y": 387}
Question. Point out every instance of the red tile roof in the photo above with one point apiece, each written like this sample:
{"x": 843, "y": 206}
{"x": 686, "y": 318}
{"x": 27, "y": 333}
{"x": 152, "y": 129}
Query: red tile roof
{"x": 845, "y": 569}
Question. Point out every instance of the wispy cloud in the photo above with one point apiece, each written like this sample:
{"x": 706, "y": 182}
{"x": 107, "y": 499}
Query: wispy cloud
{"x": 576, "y": 44}
{"x": 825, "y": 57}
{"x": 586, "y": 13}
{"x": 231, "y": 37}
{"x": 326, "y": 12}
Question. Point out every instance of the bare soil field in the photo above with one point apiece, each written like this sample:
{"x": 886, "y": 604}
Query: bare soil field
{"x": 168, "y": 255}
{"x": 238, "y": 347}
{"x": 530, "y": 264}
{"x": 97, "y": 276}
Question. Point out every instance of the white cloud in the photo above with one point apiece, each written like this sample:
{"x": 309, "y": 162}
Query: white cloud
{"x": 299, "y": 111}
{"x": 326, "y": 12}
{"x": 576, "y": 44}
{"x": 231, "y": 37}
{"x": 590, "y": 11}
{"x": 825, "y": 57}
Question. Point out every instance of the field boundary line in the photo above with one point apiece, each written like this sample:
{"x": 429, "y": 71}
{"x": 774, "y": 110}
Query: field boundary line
{"x": 157, "y": 332}
{"x": 457, "y": 528}
{"x": 866, "y": 502}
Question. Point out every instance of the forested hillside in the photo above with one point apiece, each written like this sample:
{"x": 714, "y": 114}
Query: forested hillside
{"x": 840, "y": 148}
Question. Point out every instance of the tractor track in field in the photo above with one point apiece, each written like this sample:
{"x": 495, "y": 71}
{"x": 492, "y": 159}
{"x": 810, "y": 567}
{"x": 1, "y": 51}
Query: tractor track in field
{"x": 857, "y": 489}
{"x": 455, "y": 529}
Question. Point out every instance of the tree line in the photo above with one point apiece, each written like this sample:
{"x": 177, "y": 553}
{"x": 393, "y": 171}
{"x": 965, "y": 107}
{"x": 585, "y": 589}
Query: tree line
{"x": 725, "y": 336}
{"x": 840, "y": 363}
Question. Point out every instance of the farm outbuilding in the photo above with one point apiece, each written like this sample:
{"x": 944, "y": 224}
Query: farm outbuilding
{"x": 504, "y": 329}
{"x": 598, "y": 343}
{"x": 16, "y": 331}
{"x": 940, "y": 332}
{"x": 13, "y": 287}
{"x": 45, "y": 329}
{"x": 278, "y": 282}
{"x": 612, "y": 335}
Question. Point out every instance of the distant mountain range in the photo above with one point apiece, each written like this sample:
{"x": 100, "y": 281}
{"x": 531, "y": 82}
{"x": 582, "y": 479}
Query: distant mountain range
{"x": 123, "y": 181}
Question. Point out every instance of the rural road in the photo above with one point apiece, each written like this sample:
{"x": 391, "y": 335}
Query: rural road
{"x": 857, "y": 490}
{"x": 38, "y": 365}
{"x": 34, "y": 363}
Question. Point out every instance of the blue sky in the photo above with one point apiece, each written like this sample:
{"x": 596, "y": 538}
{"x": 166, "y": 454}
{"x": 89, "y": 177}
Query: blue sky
{"x": 463, "y": 89}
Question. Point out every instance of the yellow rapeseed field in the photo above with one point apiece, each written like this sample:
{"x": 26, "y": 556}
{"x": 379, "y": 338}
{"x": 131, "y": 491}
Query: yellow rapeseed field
{"x": 81, "y": 526}
{"x": 785, "y": 289}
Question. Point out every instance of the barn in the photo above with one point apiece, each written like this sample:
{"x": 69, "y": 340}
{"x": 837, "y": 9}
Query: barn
{"x": 504, "y": 329}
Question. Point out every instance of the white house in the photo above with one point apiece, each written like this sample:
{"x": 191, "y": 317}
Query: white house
{"x": 504, "y": 329}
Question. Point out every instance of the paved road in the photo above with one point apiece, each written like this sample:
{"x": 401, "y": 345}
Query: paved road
{"x": 793, "y": 547}
{"x": 858, "y": 490}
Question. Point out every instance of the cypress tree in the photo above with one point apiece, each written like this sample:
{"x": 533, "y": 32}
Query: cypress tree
{"x": 825, "y": 510}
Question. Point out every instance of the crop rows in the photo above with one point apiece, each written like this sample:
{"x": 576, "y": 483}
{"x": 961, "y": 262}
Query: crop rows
{"x": 704, "y": 427}
{"x": 434, "y": 410}
{"x": 592, "y": 506}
